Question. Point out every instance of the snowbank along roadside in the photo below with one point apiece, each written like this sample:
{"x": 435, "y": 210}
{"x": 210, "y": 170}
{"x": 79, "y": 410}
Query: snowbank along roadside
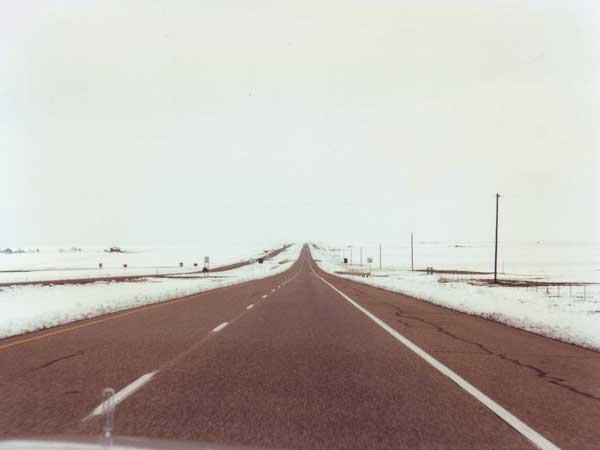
{"x": 25, "y": 309}
{"x": 569, "y": 319}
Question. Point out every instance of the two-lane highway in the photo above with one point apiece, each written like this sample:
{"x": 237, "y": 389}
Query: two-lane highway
{"x": 305, "y": 360}
{"x": 50, "y": 380}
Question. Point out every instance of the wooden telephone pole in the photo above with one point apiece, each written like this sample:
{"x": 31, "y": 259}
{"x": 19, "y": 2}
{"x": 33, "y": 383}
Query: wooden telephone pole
{"x": 412, "y": 258}
{"x": 496, "y": 246}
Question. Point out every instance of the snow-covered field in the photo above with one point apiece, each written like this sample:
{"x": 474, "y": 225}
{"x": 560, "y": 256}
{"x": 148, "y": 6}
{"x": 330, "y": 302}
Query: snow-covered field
{"x": 28, "y": 308}
{"x": 570, "y": 314}
{"x": 52, "y": 264}
{"x": 555, "y": 261}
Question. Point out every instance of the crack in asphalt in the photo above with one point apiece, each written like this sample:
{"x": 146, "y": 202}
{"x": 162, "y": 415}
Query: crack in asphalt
{"x": 49, "y": 363}
{"x": 538, "y": 372}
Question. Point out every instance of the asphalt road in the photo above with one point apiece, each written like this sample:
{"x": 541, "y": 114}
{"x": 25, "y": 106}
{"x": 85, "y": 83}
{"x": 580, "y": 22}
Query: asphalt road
{"x": 290, "y": 362}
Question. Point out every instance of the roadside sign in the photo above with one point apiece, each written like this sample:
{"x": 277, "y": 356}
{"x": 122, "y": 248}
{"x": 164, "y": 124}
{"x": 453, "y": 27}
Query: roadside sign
{"x": 345, "y": 260}
{"x": 100, "y": 265}
{"x": 369, "y": 260}
{"x": 260, "y": 260}
{"x": 180, "y": 264}
{"x": 124, "y": 266}
{"x": 206, "y": 259}
{"x": 195, "y": 264}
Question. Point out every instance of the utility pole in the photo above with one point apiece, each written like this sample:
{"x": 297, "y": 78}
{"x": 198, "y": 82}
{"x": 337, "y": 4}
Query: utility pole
{"x": 412, "y": 253}
{"x": 496, "y": 247}
{"x": 380, "y": 256}
{"x": 361, "y": 256}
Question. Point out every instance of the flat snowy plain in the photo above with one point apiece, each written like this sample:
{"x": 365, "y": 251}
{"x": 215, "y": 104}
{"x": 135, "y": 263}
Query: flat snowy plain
{"x": 567, "y": 313}
{"x": 28, "y": 308}
{"x": 53, "y": 264}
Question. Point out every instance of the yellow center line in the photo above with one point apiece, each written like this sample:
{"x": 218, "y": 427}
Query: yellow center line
{"x": 112, "y": 317}
{"x": 106, "y": 319}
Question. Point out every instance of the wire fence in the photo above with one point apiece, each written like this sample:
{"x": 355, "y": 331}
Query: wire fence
{"x": 576, "y": 291}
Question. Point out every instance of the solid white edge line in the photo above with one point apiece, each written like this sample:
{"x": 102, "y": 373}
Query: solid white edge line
{"x": 537, "y": 439}
{"x": 220, "y": 327}
{"x": 250, "y": 306}
{"x": 122, "y": 394}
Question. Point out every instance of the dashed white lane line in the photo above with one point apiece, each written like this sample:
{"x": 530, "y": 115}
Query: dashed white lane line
{"x": 220, "y": 327}
{"x": 141, "y": 381}
{"x": 122, "y": 394}
{"x": 537, "y": 439}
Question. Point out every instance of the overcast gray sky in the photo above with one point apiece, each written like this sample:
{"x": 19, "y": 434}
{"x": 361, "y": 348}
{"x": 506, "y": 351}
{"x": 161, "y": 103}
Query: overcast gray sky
{"x": 163, "y": 121}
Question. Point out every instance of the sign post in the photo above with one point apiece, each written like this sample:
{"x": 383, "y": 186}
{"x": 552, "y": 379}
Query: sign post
{"x": 251, "y": 261}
